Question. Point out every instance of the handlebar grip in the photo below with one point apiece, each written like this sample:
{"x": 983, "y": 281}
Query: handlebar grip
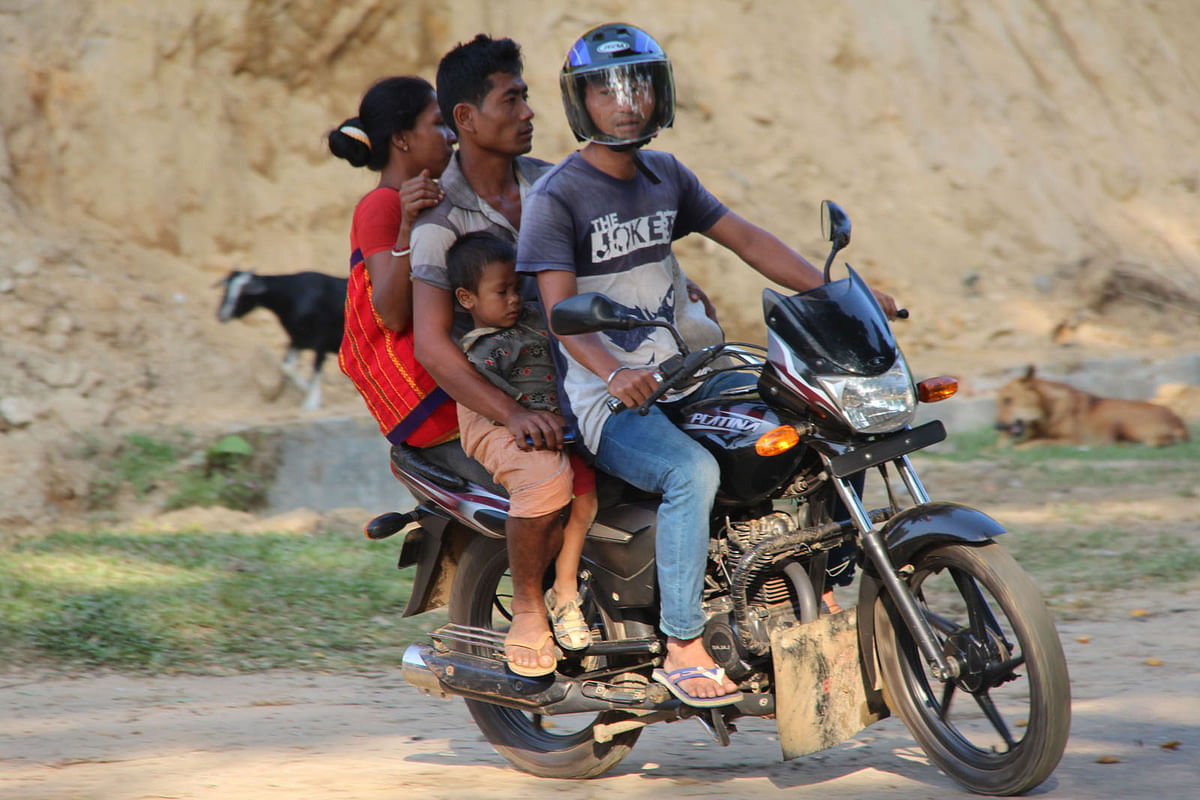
{"x": 663, "y": 388}
{"x": 568, "y": 437}
{"x": 615, "y": 405}
{"x": 902, "y": 313}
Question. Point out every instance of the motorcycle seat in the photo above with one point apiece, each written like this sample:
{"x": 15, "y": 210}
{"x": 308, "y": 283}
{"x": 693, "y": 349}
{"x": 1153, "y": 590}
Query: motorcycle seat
{"x": 450, "y": 468}
{"x": 445, "y": 465}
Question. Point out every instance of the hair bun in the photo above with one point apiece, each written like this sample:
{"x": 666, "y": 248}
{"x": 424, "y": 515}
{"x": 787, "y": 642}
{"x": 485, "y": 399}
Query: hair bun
{"x": 350, "y": 142}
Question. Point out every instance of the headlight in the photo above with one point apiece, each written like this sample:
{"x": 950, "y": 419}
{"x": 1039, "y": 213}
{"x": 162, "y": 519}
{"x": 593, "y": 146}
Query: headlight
{"x": 877, "y": 404}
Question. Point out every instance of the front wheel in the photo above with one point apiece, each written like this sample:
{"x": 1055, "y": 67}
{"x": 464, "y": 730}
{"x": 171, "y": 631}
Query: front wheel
{"x": 1001, "y": 726}
{"x": 551, "y": 747}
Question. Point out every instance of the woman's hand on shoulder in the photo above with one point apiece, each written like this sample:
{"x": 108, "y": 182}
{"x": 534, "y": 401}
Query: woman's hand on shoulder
{"x": 419, "y": 193}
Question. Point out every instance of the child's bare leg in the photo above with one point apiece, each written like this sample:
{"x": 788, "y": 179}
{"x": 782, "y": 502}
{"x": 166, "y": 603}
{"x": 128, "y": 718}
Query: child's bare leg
{"x": 566, "y": 566}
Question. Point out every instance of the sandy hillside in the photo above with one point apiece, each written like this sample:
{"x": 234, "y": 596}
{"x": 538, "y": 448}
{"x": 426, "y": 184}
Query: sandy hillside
{"x": 1021, "y": 174}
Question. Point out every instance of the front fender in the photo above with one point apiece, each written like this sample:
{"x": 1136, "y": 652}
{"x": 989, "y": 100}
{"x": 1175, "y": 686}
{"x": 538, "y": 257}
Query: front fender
{"x": 906, "y": 534}
{"x": 916, "y": 528}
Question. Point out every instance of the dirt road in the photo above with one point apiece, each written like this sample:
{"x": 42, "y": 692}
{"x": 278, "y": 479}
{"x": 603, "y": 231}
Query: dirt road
{"x": 308, "y": 736}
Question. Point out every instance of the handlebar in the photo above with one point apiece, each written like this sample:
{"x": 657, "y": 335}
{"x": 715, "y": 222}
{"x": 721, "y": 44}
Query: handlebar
{"x": 674, "y": 371}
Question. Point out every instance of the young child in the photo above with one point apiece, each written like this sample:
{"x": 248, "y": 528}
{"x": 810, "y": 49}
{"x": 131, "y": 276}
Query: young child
{"x": 509, "y": 346}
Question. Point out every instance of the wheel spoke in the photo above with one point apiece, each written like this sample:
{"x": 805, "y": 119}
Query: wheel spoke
{"x": 499, "y": 606}
{"x": 977, "y": 608}
{"x": 1010, "y": 664}
{"x": 1004, "y": 671}
{"x": 947, "y": 697}
{"x": 940, "y": 623}
{"x": 502, "y": 601}
{"x": 993, "y": 714}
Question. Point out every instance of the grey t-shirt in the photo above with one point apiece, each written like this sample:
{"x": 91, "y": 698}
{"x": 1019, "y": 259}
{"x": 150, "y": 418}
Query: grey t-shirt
{"x": 463, "y": 211}
{"x": 616, "y": 235}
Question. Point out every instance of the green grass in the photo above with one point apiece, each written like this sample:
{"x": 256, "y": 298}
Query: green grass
{"x": 985, "y": 443}
{"x": 1101, "y": 560}
{"x": 234, "y": 471}
{"x": 203, "y": 601}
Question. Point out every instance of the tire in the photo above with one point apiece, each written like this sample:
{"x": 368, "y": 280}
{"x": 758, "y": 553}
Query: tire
{"x": 978, "y": 598}
{"x": 545, "y": 746}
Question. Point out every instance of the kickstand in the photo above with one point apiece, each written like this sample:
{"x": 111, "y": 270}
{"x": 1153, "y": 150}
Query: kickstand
{"x": 713, "y": 720}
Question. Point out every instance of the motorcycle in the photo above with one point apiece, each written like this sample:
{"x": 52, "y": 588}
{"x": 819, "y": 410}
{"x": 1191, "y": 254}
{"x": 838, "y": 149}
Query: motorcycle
{"x": 947, "y": 632}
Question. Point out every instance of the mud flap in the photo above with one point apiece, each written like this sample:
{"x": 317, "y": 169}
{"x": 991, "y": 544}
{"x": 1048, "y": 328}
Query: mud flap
{"x": 820, "y": 696}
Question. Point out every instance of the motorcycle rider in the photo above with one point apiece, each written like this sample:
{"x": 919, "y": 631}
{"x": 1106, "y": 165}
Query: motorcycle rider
{"x": 483, "y": 98}
{"x": 603, "y": 220}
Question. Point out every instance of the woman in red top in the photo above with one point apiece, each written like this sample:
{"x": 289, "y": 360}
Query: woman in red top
{"x": 399, "y": 133}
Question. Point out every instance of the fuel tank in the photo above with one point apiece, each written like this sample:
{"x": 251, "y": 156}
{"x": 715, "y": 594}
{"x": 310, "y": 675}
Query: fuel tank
{"x": 729, "y": 428}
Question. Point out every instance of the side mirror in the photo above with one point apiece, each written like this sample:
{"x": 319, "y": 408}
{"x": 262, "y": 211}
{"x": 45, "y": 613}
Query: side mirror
{"x": 835, "y": 225}
{"x": 588, "y": 313}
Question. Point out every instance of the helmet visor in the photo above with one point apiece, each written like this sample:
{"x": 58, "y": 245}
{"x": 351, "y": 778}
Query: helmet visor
{"x": 620, "y": 104}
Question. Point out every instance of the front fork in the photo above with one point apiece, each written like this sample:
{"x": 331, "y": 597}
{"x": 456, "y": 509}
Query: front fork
{"x": 942, "y": 667}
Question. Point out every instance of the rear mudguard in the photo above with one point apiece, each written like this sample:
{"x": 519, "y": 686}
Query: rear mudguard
{"x": 434, "y": 548}
{"x": 907, "y": 534}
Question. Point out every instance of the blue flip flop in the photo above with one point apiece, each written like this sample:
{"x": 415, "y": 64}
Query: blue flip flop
{"x": 716, "y": 674}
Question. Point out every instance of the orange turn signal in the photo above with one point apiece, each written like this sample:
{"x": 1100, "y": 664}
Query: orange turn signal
{"x": 777, "y": 440}
{"x": 933, "y": 389}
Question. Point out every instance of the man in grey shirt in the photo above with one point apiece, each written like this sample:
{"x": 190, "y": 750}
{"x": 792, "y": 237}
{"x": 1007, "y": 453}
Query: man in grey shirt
{"x": 484, "y": 100}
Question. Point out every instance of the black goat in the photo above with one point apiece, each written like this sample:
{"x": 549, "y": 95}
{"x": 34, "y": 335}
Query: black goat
{"x": 311, "y": 306}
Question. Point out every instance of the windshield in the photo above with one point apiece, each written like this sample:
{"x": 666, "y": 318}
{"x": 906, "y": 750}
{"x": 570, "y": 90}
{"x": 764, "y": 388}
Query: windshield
{"x": 837, "y": 328}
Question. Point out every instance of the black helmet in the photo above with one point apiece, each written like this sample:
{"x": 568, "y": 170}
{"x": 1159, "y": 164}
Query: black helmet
{"x": 625, "y": 62}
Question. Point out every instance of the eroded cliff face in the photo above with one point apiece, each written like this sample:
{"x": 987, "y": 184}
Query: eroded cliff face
{"x": 1001, "y": 162}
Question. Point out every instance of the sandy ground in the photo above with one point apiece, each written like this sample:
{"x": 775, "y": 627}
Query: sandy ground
{"x": 288, "y": 734}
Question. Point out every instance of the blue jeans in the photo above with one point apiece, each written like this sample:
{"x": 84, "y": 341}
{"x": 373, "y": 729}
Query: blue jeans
{"x": 652, "y": 454}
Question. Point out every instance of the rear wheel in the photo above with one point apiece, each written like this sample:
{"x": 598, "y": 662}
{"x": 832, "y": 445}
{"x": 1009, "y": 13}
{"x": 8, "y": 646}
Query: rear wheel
{"x": 562, "y": 746}
{"x": 1001, "y": 727}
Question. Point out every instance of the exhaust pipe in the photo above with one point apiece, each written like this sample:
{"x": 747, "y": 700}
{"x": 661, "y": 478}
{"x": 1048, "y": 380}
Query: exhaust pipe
{"x": 443, "y": 673}
{"x": 414, "y": 671}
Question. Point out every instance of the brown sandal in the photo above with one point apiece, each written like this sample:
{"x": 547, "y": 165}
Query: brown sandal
{"x": 536, "y": 670}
